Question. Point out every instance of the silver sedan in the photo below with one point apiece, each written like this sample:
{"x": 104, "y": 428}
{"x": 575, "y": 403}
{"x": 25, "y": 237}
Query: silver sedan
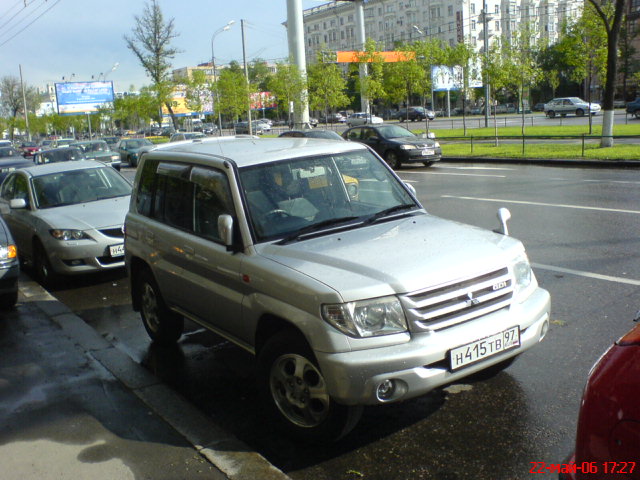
{"x": 67, "y": 218}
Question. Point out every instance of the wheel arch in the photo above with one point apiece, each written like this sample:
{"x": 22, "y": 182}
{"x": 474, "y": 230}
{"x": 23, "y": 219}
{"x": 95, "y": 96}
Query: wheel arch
{"x": 270, "y": 325}
{"x": 135, "y": 268}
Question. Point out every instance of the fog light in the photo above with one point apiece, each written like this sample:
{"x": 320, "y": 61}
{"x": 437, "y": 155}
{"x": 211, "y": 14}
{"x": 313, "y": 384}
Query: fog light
{"x": 386, "y": 390}
{"x": 544, "y": 329}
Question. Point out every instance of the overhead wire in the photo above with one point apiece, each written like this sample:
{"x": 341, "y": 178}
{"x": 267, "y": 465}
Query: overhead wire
{"x": 30, "y": 23}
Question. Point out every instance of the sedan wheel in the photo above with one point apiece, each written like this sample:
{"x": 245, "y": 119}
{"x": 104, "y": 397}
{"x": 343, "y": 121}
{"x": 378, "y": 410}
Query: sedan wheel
{"x": 393, "y": 159}
{"x": 551, "y": 114}
{"x": 42, "y": 266}
{"x": 579, "y": 112}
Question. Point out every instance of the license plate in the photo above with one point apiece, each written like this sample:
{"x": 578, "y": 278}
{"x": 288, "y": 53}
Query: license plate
{"x": 427, "y": 152}
{"x": 485, "y": 347}
{"x": 116, "y": 250}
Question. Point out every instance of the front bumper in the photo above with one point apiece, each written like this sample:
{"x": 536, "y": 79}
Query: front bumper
{"x": 84, "y": 256}
{"x": 421, "y": 364}
{"x": 417, "y": 156}
{"x": 9, "y": 273}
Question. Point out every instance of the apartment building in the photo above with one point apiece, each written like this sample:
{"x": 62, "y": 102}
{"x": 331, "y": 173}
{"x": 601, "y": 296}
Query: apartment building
{"x": 331, "y": 26}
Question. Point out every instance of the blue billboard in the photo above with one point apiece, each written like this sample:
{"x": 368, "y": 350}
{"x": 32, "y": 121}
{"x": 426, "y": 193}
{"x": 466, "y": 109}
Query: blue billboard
{"x": 79, "y": 98}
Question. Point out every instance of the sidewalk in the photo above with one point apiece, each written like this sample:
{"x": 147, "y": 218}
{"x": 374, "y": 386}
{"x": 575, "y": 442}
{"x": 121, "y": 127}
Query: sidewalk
{"x": 560, "y": 162}
{"x": 74, "y": 407}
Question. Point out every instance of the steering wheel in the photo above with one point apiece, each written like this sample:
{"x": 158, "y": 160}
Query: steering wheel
{"x": 277, "y": 211}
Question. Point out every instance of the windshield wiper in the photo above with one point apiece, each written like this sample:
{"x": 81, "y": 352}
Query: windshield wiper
{"x": 385, "y": 213}
{"x": 314, "y": 228}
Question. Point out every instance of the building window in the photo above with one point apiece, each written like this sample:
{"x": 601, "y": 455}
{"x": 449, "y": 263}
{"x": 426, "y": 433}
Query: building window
{"x": 497, "y": 9}
{"x": 473, "y": 8}
{"x": 451, "y": 26}
{"x": 473, "y": 24}
{"x": 450, "y": 10}
{"x": 497, "y": 25}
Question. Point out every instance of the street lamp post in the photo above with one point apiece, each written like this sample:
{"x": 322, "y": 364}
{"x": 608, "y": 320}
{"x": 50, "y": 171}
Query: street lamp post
{"x": 214, "y": 94}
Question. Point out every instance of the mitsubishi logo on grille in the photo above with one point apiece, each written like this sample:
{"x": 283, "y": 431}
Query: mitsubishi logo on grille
{"x": 471, "y": 300}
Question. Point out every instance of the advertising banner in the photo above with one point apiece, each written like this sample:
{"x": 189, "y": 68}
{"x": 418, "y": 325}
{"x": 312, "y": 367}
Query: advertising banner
{"x": 445, "y": 78}
{"x": 79, "y": 98}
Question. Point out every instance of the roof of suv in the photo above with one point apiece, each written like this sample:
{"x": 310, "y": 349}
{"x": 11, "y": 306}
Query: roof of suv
{"x": 254, "y": 151}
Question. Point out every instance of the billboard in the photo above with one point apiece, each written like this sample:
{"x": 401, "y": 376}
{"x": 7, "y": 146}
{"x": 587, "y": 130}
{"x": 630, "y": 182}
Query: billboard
{"x": 77, "y": 98}
{"x": 445, "y": 78}
{"x": 179, "y": 104}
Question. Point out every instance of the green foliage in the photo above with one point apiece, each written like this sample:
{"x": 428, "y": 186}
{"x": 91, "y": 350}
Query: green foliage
{"x": 198, "y": 90}
{"x": 234, "y": 93}
{"x": 327, "y": 86}
{"x": 287, "y": 85}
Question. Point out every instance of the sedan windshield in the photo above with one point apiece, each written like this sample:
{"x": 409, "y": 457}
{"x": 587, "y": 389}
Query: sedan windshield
{"x": 297, "y": 198}
{"x": 79, "y": 186}
{"x": 394, "y": 131}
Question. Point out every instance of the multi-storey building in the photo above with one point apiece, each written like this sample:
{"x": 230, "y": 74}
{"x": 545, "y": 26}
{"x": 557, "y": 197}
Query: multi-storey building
{"x": 390, "y": 22}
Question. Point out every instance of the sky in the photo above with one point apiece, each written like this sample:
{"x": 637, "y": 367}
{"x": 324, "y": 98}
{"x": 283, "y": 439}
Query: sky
{"x": 51, "y": 39}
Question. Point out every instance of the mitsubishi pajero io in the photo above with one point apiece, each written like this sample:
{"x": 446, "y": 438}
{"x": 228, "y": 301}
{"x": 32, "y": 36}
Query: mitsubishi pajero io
{"x": 316, "y": 258}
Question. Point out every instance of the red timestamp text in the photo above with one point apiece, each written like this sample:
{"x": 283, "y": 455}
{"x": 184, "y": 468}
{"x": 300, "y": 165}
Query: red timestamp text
{"x": 584, "y": 467}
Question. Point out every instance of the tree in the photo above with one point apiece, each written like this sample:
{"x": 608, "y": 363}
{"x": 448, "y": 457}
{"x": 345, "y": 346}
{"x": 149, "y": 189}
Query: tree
{"x": 197, "y": 91}
{"x": 11, "y": 101}
{"x": 151, "y": 44}
{"x": 288, "y": 85}
{"x": 327, "y": 86}
{"x": 259, "y": 74}
{"x": 233, "y": 92}
{"x": 611, "y": 13}
{"x": 371, "y": 85}
{"x": 409, "y": 77}
{"x": 133, "y": 111}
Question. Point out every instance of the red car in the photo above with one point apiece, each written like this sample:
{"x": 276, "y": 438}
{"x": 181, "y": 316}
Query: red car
{"x": 29, "y": 149}
{"x": 608, "y": 437}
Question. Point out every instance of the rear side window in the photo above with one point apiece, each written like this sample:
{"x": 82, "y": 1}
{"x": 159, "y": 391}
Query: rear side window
{"x": 187, "y": 197}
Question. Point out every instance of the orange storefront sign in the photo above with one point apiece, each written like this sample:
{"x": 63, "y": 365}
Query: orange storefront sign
{"x": 357, "y": 57}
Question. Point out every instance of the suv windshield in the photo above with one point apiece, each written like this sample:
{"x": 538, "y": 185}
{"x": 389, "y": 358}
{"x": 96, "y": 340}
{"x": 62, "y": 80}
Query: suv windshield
{"x": 287, "y": 199}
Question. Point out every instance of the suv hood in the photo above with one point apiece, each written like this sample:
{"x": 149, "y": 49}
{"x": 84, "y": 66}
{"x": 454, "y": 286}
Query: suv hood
{"x": 397, "y": 256}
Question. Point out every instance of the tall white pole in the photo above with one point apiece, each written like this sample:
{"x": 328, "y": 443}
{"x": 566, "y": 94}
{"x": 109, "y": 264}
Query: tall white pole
{"x": 360, "y": 39}
{"x": 24, "y": 105}
{"x": 246, "y": 75}
{"x": 295, "y": 37}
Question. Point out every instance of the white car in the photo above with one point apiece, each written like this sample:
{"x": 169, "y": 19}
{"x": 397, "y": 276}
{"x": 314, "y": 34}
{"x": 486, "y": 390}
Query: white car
{"x": 67, "y": 217}
{"x": 363, "y": 118}
{"x": 570, "y": 106}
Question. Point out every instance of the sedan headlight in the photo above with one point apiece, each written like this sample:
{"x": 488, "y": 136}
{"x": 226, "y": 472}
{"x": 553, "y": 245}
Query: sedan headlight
{"x": 69, "y": 235}
{"x": 367, "y": 318}
{"x": 407, "y": 146}
{"x": 522, "y": 273}
{"x": 115, "y": 158}
{"x": 436, "y": 145}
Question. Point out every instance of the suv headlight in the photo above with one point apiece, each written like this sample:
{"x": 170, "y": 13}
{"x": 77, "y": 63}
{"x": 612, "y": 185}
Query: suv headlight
{"x": 69, "y": 234}
{"x": 367, "y": 318}
{"x": 522, "y": 273}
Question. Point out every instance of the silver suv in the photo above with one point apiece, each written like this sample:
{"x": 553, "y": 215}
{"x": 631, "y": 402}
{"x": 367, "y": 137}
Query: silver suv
{"x": 314, "y": 256}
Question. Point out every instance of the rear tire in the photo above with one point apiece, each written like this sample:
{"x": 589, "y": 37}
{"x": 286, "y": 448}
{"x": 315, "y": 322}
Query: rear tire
{"x": 551, "y": 114}
{"x": 295, "y": 392}
{"x": 163, "y": 326}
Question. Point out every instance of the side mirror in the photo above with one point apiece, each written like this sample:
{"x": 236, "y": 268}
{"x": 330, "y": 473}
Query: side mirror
{"x": 503, "y": 216}
{"x": 18, "y": 203}
{"x": 411, "y": 189}
{"x": 225, "y": 230}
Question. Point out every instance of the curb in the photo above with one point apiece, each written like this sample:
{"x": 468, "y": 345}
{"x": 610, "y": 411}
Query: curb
{"x": 224, "y": 451}
{"x": 568, "y": 162}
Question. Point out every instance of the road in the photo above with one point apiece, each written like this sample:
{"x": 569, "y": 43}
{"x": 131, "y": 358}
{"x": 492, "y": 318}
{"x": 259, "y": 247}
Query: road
{"x": 582, "y": 231}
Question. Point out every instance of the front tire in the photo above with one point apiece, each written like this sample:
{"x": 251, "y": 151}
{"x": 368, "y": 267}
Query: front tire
{"x": 579, "y": 112}
{"x": 393, "y": 159}
{"x": 42, "y": 266}
{"x": 295, "y": 391}
{"x": 163, "y": 326}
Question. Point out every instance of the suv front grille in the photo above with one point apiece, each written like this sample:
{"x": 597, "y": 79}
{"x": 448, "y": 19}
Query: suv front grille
{"x": 460, "y": 301}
